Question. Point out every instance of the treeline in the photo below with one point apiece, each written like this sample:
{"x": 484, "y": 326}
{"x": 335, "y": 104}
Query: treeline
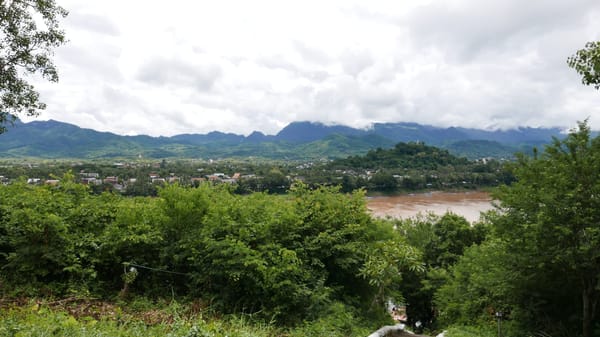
{"x": 416, "y": 166}
{"x": 288, "y": 259}
{"x": 407, "y": 167}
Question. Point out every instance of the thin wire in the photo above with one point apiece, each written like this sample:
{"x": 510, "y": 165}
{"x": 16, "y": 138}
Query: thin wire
{"x": 154, "y": 269}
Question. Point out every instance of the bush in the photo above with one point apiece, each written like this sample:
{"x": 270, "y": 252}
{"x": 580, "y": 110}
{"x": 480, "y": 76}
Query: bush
{"x": 286, "y": 257}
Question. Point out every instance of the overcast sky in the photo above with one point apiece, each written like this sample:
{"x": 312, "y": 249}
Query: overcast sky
{"x": 172, "y": 67}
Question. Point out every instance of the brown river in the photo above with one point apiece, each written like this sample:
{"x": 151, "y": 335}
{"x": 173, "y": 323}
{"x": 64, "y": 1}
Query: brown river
{"x": 467, "y": 204}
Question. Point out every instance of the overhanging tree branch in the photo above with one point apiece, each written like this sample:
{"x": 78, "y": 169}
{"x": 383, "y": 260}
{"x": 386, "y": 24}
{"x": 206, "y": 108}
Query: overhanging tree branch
{"x": 29, "y": 31}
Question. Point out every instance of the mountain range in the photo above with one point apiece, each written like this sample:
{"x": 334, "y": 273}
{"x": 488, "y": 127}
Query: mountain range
{"x": 297, "y": 141}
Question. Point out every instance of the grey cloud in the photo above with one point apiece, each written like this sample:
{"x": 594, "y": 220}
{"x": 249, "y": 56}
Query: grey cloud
{"x": 303, "y": 71}
{"x": 477, "y": 26}
{"x": 179, "y": 73}
{"x": 74, "y": 60}
{"x": 93, "y": 23}
{"x": 108, "y": 105}
{"x": 311, "y": 54}
{"x": 355, "y": 61}
{"x": 116, "y": 98}
{"x": 383, "y": 72}
{"x": 374, "y": 99}
{"x": 469, "y": 98}
{"x": 494, "y": 64}
{"x": 313, "y": 75}
{"x": 277, "y": 62}
{"x": 368, "y": 14}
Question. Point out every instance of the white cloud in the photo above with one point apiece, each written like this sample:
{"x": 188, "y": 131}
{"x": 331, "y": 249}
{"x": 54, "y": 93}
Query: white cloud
{"x": 150, "y": 67}
{"x": 177, "y": 73}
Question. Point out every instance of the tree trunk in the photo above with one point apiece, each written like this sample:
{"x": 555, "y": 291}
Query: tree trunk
{"x": 587, "y": 321}
{"x": 590, "y": 301}
{"x": 123, "y": 293}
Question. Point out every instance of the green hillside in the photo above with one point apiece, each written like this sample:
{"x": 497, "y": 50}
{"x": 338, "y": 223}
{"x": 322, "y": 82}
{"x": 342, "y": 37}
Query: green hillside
{"x": 297, "y": 141}
{"x": 474, "y": 149}
{"x": 414, "y": 155}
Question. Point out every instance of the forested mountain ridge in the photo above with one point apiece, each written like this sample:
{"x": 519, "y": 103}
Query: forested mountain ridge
{"x": 298, "y": 140}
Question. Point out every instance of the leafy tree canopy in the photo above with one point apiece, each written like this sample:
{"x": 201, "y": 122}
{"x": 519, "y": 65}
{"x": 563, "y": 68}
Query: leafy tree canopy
{"x": 540, "y": 264}
{"x": 554, "y": 213}
{"x": 587, "y": 63}
{"x": 29, "y": 30}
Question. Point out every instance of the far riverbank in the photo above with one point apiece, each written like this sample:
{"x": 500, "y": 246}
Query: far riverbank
{"x": 467, "y": 204}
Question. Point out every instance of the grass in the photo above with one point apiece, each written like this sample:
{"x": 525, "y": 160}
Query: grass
{"x": 86, "y": 318}
{"x": 471, "y": 331}
{"x": 36, "y": 321}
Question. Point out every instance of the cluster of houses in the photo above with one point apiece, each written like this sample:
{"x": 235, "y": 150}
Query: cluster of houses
{"x": 119, "y": 184}
{"x": 157, "y": 179}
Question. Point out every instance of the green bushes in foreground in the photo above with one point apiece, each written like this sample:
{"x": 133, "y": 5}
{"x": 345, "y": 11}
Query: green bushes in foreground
{"x": 288, "y": 258}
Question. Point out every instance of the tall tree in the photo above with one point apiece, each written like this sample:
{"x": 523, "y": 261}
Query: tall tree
{"x": 442, "y": 240}
{"x": 587, "y": 63}
{"x": 553, "y": 213}
{"x": 29, "y": 30}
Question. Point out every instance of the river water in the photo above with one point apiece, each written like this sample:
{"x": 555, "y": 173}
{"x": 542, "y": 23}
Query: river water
{"x": 467, "y": 204}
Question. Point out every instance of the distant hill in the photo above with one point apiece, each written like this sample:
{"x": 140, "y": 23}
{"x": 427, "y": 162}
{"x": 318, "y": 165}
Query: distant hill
{"x": 303, "y": 132}
{"x": 297, "y": 141}
{"x": 478, "y": 148}
{"x": 412, "y": 155}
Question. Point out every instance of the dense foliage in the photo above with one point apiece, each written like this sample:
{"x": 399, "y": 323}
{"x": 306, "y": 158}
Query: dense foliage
{"x": 416, "y": 166}
{"x": 415, "y": 155}
{"x": 540, "y": 265}
{"x": 289, "y": 258}
{"x": 442, "y": 241}
{"x": 534, "y": 261}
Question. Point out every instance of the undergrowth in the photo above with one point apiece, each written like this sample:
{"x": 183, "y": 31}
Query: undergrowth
{"x": 84, "y": 318}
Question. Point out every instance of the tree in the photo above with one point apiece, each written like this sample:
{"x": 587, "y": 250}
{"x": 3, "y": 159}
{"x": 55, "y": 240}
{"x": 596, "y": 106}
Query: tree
{"x": 26, "y": 48}
{"x": 382, "y": 181}
{"x": 275, "y": 181}
{"x": 442, "y": 241}
{"x": 552, "y": 224}
{"x": 479, "y": 284}
{"x": 587, "y": 63}
{"x": 49, "y": 233}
